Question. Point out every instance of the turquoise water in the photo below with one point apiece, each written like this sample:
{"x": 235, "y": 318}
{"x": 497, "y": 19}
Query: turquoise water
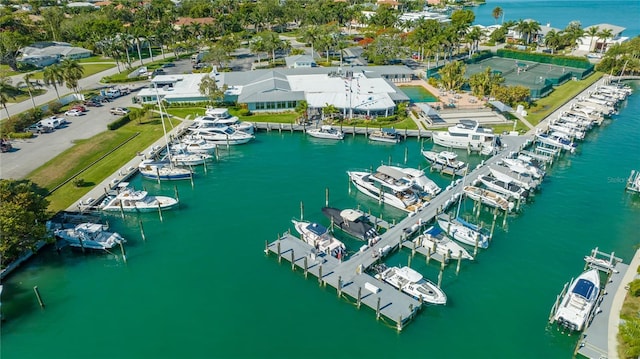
{"x": 418, "y": 94}
{"x": 559, "y": 13}
{"x": 200, "y": 286}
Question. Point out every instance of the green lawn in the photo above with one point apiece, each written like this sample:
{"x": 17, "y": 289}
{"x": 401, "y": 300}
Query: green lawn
{"x": 5, "y": 70}
{"x": 84, "y": 152}
{"x": 520, "y": 127}
{"x": 96, "y": 59}
{"x": 545, "y": 106}
{"x": 24, "y": 95}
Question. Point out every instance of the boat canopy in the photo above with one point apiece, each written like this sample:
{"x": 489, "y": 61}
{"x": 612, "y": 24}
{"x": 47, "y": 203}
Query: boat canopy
{"x": 350, "y": 215}
{"x": 391, "y": 172}
{"x": 410, "y": 274}
{"x": 433, "y": 231}
{"x": 584, "y": 288}
{"x": 317, "y": 229}
{"x": 470, "y": 124}
{"x": 389, "y": 131}
{"x": 326, "y": 128}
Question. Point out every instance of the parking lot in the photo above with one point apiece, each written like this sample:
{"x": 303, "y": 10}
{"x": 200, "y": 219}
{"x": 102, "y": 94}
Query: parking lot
{"x": 29, "y": 154}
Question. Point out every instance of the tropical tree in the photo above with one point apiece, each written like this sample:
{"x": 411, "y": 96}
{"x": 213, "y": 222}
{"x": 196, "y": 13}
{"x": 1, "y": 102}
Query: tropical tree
{"x": 29, "y": 86}
{"x": 208, "y": 87}
{"x": 6, "y": 91}
{"x": 11, "y": 42}
{"x": 53, "y": 76}
{"x": 527, "y": 28}
{"x": 604, "y": 35}
{"x": 481, "y": 83}
{"x": 302, "y": 108}
{"x": 592, "y": 32}
{"x": 552, "y": 40}
{"x": 452, "y": 75}
{"x": 473, "y": 37}
{"x": 72, "y": 72}
{"x": 497, "y": 13}
{"x": 329, "y": 110}
{"x": 385, "y": 17}
{"x": 23, "y": 216}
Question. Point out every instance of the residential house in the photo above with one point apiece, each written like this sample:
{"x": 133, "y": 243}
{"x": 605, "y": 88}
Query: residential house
{"x": 41, "y": 54}
{"x": 294, "y": 62}
{"x": 597, "y": 44}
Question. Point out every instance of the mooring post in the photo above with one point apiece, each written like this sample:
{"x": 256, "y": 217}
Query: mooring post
{"x": 339, "y": 286}
{"x": 399, "y": 325}
{"x": 144, "y": 238}
{"x": 124, "y": 255}
{"x": 409, "y": 261}
{"x": 293, "y": 260}
{"x": 428, "y": 254}
{"x": 390, "y": 161}
{"x": 359, "y": 296}
{"x": 493, "y": 224}
{"x": 459, "y": 260}
{"x": 35, "y": 289}
{"x": 160, "y": 212}
{"x": 475, "y": 246}
{"x": 81, "y": 243}
{"x": 406, "y": 154}
{"x": 158, "y": 174}
{"x": 305, "y": 267}
{"x": 301, "y": 211}
{"x": 121, "y": 209}
{"x": 504, "y": 221}
{"x": 191, "y": 178}
{"x": 440, "y": 277}
{"x": 413, "y": 248}
{"x": 378, "y": 309}
{"x": 175, "y": 190}
{"x": 320, "y": 274}
{"x": 326, "y": 197}
{"x": 278, "y": 249}
{"x": 266, "y": 247}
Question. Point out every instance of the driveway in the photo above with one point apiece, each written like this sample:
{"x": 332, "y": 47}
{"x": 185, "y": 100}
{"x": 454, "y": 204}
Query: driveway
{"x": 29, "y": 154}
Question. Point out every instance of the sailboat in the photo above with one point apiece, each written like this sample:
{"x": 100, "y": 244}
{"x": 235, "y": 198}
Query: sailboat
{"x": 461, "y": 230}
{"x": 163, "y": 170}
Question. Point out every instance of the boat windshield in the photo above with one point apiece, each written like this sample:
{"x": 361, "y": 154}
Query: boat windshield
{"x": 584, "y": 288}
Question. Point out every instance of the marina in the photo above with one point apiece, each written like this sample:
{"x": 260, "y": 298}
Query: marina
{"x": 433, "y": 319}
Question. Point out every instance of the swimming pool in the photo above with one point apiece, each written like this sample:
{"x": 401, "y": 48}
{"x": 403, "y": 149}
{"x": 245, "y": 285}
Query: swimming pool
{"x": 418, "y": 94}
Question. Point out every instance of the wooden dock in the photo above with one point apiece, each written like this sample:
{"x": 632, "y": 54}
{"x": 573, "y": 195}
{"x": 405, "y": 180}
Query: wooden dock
{"x": 348, "y": 130}
{"x": 349, "y": 277}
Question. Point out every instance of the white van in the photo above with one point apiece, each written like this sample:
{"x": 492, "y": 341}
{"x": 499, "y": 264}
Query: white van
{"x": 52, "y": 122}
{"x": 113, "y": 93}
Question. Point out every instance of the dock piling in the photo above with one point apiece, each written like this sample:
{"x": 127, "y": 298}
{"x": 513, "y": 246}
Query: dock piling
{"x": 144, "y": 238}
{"x": 358, "y": 300}
{"x": 121, "y": 209}
{"x": 409, "y": 261}
{"x": 339, "y": 286}
{"x": 399, "y": 325}
{"x": 293, "y": 260}
{"x": 326, "y": 197}
{"x": 440, "y": 278}
{"x": 320, "y": 274}
{"x": 428, "y": 255}
{"x": 378, "y": 309}
{"x": 301, "y": 211}
{"x": 278, "y": 250}
{"x": 266, "y": 247}
{"x": 81, "y": 244}
{"x": 305, "y": 267}
{"x": 124, "y": 254}
{"x": 160, "y": 212}
{"x": 175, "y": 190}
{"x": 35, "y": 290}
{"x": 459, "y": 260}
{"x": 406, "y": 154}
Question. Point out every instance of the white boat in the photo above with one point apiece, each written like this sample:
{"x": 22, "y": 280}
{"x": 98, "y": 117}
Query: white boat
{"x": 578, "y": 304}
{"x": 326, "y": 132}
{"x": 190, "y": 159}
{"x": 445, "y": 161}
{"x": 633, "y": 183}
{"x": 418, "y": 179}
{"x": 568, "y": 130}
{"x": 520, "y": 166}
{"x": 129, "y": 200}
{"x": 163, "y": 170}
{"x": 414, "y": 284}
{"x": 488, "y": 197}
{"x": 388, "y": 135}
{"x": 320, "y": 238}
{"x": 435, "y": 238}
{"x": 557, "y": 139}
{"x": 387, "y": 187}
{"x": 223, "y": 117}
{"x": 505, "y": 174}
{"x": 222, "y": 135}
{"x": 352, "y": 221}
{"x": 89, "y": 236}
{"x": 509, "y": 189}
{"x": 601, "y": 263}
{"x": 468, "y": 134}
{"x": 463, "y": 231}
{"x": 194, "y": 145}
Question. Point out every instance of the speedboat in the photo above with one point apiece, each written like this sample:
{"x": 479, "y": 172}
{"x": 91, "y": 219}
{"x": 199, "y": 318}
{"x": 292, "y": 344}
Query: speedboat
{"x": 319, "y": 237}
{"x": 163, "y": 170}
{"x": 222, "y": 117}
{"x": 435, "y": 238}
{"x": 351, "y": 221}
{"x": 579, "y": 303}
{"x": 190, "y": 159}
{"x": 488, "y": 197}
{"x": 413, "y": 284}
{"x": 194, "y": 145}
{"x": 468, "y": 134}
{"x": 509, "y": 189}
{"x": 463, "y": 231}
{"x": 416, "y": 177}
{"x": 520, "y": 166}
{"x": 90, "y": 236}
{"x": 445, "y": 161}
{"x": 505, "y": 174}
{"x": 388, "y": 186}
{"x": 326, "y": 132}
{"x": 129, "y": 200}
{"x": 222, "y": 135}
{"x": 388, "y": 135}
{"x": 557, "y": 139}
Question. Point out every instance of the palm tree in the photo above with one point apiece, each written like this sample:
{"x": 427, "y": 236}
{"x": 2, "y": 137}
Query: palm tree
{"x": 552, "y": 40}
{"x": 72, "y": 72}
{"x": 592, "y": 32}
{"x": 29, "y": 85}
{"x": 474, "y": 37}
{"x": 497, "y": 13}
{"x": 604, "y": 35}
{"x": 6, "y": 91}
{"x": 52, "y": 76}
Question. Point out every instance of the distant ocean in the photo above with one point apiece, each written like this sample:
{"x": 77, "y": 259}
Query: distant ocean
{"x": 559, "y": 13}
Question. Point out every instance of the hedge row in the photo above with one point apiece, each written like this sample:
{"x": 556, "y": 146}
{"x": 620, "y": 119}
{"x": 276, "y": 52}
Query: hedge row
{"x": 119, "y": 122}
{"x": 568, "y": 61}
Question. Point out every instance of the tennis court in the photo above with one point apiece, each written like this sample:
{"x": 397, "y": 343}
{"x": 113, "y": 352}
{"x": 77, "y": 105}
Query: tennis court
{"x": 538, "y": 77}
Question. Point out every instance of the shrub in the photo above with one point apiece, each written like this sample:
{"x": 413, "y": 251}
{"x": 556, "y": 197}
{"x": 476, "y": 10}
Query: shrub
{"x": 78, "y": 182}
{"x": 634, "y": 288}
{"x": 54, "y": 107}
{"x": 20, "y": 135}
{"x": 432, "y": 81}
{"x": 119, "y": 122}
{"x": 244, "y": 112}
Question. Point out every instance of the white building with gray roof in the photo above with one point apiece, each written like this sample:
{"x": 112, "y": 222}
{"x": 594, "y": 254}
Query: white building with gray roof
{"x": 367, "y": 91}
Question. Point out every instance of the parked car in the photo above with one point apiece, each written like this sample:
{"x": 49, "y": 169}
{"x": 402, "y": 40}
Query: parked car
{"x": 121, "y": 111}
{"x": 169, "y": 64}
{"x": 74, "y": 112}
{"x": 92, "y": 103}
{"x": 38, "y": 128}
{"x": 80, "y": 108}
